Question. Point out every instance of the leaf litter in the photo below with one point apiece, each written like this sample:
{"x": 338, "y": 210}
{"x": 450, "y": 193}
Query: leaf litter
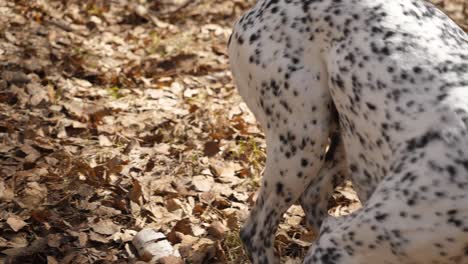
{"x": 123, "y": 139}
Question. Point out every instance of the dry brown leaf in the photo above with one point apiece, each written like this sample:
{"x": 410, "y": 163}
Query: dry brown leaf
{"x": 105, "y": 227}
{"x": 34, "y": 194}
{"x": 222, "y": 203}
{"x": 54, "y": 240}
{"x": 202, "y": 183}
{"x": 171, "y": 260}
{"x": 211, "y": 148}
{"x": 6, "y": 193}
{"x": 136, "y": 193}
{"x": 104, "y": 141}
{"x": 16, "y": 223}
{"x": 203, "y": 250}
{"x": 173, "y": 204}
{"x": 52, "y": 260}
{"x": 217, "y": 230}
{"x": 283, "y": 237}
{"x": 183, "y": 226}
{"x": 31, "y": 153}
{"x": 19, "y": 240}
{"x": 99, "y": 238}
{"x": 38, "y": 93}
{"x": 82, "y": 239}
{"x": 226, "y": 171}
{"x": 38, "y": 245}
{"x": 232, "y": 221}
{"x": 125, "y": 236}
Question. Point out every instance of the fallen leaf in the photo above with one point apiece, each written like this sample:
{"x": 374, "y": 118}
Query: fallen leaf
{"x": 125, "y": 236}
{"x": 82, "y": 239}
{"x": 211, "y": 148}
{"x": 34, "y": 194}
{"x": 104, "y": 141}
{"x": 202, "y": 183}
{"x": 232, "y": 221}
{"x": 136, "y": 194}
{"x": 217, "y": 230}
{"x": 183, "y": 226}
{"x": 6, "y": 193}
{"x": 226, "y": 171}
{"x": 105, "y": 227}
{"x": 99, "y": 238}
{"x": 38, "y": 245}
{"x": 52, "y": 260}
{"x": 32, "y": 153}
{"x": 54, "y": 240}
{"x": 171, "y": 260}
{"x": 16, "y": 223}
{"x": 173, "y": 204}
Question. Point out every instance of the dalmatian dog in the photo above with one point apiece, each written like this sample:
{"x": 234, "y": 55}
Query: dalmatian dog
{"x": 387, "y": 82}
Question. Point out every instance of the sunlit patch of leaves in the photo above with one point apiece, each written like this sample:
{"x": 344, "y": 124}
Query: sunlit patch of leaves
{"x": 114, "y": 117}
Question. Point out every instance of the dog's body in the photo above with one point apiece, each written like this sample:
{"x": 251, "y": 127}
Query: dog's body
{"x": 396, "y": 73}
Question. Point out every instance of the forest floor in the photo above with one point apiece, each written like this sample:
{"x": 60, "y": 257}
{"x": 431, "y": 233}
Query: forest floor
{"x": 121, "y": 115}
